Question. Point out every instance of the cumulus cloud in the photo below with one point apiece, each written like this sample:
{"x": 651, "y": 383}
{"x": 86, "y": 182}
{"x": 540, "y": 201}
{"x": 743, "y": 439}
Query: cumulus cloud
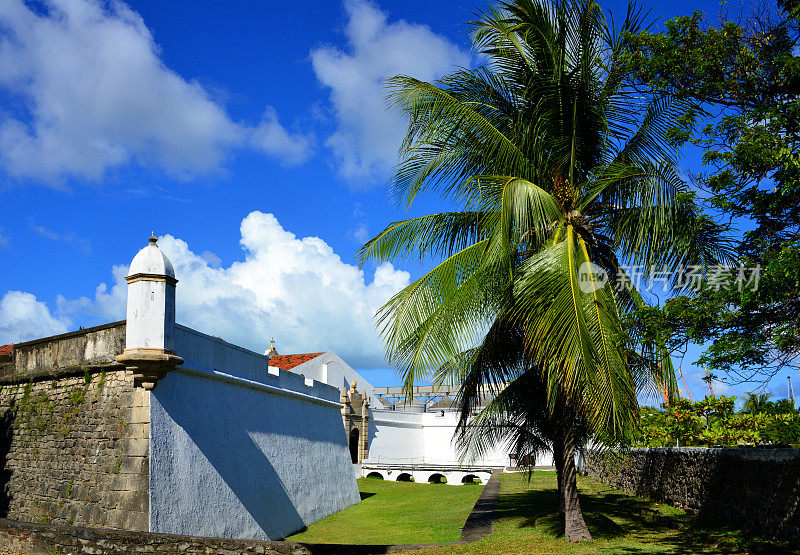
{"x": 97, "y": 96}
{"x": 295, "y": 289}
{"x": 23, "y": 317}
{"x": 213, "y": 260}
{"x": 368, "y": 134}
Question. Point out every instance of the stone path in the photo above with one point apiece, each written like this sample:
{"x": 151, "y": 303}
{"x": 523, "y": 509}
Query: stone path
{"x": 480, "y": 521}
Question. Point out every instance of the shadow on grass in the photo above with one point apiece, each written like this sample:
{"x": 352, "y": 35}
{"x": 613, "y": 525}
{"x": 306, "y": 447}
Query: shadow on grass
{"x": 613, "y": 516}
{"x": 366, "y": 495}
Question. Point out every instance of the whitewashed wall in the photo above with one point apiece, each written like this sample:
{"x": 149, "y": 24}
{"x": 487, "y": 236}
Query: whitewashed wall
{"x": 395, "y": 437}
{"x": 329, "y": 368}
{"x": 425, "y": 438}
{"x": 238, "y": 452}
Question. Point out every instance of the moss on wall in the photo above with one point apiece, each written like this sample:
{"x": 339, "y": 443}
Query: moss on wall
{"x": 74, "y": 449}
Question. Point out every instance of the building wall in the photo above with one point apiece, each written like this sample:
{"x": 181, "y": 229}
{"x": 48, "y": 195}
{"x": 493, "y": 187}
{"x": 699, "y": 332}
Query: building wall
{"x": 338, "y": 373}
{"x": 395, "y": 437}
{"x": 424, "y": 437}
{"x": 242, "y": 453}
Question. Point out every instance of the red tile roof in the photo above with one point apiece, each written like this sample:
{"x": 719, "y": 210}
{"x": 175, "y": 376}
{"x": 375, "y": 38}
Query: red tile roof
{"x": 287, "y": 362}
{"x": 6, "y": 350}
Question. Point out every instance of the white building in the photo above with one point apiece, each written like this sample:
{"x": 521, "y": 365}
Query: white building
{"x": 419, "y": 433}
{"x": 327, "y": 367}
{"x": 422, "y": 438}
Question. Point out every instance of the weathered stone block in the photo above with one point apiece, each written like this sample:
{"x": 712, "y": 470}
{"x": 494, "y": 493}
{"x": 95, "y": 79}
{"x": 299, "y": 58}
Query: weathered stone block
{"x": 70, "y": 455}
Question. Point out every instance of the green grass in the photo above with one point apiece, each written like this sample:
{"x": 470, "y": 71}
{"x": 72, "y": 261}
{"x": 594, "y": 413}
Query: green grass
{"x": 397, "y": 513}
{"x": 527, "y": 521}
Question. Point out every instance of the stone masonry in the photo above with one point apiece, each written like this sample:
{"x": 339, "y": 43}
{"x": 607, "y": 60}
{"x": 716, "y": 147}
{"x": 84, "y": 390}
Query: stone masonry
{"x": 74, "y": 434}
{"x": 755, "y": 489}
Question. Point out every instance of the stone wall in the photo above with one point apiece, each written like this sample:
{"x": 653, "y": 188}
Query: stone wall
{"x": 74, "y": 449}
{"x": 74, "y": 433}
{"x": 90, "y": 346}
{"x": 17, "y": 538}
{"x": 755, "y": 489}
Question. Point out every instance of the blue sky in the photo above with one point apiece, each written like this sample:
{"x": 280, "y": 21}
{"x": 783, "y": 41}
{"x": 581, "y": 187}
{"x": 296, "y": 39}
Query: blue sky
{"x": 251, "y": 136}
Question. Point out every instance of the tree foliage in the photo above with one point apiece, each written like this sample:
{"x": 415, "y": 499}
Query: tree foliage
{"x": 712, "y": 422}
{"x": 743, "y": 78}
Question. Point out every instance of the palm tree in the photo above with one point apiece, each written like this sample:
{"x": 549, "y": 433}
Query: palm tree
{"x": 562, "y": 173}
{"x": 757, "y": 402}
{"x": 518, "y": 414}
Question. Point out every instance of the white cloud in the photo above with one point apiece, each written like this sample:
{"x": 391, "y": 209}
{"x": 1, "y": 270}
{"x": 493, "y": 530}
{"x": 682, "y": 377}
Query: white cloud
{"x": 360, "y": 234}
{"x": 271, "y": 137}
{"x": 84, "y": 245}
{"x": 295, "y": 289}
{"x": 97, "y": 96}
{"x": 368, "y": 135}
{"x": 22, "y": 318}
{"x": 213, "y": 260}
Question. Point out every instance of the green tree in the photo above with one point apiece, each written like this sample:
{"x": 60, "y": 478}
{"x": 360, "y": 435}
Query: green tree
{"x": 744, "y": 79}
{"x": 713, "y": 422}
{"x": 519, "y": 412}
{"x": 561, "y": 172}
{"x": 756, "y": 402}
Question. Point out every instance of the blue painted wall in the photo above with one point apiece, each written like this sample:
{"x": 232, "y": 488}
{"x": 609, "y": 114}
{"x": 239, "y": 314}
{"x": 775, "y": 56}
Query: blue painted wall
{"x": 238, "y": 461}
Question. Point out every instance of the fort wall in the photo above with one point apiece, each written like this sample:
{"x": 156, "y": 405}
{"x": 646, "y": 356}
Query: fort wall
{"x": 242, "y": 452}
{"x": 754, "y": 489}
{"x": 74, "y": 433}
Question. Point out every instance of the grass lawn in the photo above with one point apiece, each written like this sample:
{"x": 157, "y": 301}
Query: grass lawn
{"x": 396, "y": 513}
{"x": 527, "y": 521}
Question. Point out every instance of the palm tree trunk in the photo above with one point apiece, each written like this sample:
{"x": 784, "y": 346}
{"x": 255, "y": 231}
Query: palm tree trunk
{"x": 575, "y": 529}
{"x": 558, "y": 461}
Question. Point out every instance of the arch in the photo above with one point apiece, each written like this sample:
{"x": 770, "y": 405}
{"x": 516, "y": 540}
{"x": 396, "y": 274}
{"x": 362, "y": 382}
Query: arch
{"x": 353, "y": 444}
{"x": 405, "y": 477}
{"x": 437, "y": 478}
{"x": 470, "y": 479}
{"x": 377, "y": 475}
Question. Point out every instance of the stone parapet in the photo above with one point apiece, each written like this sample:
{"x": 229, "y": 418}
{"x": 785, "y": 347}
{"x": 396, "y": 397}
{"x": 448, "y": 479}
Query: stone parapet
{"x": 16, "y": 537}
{"x": 751, "y": 488}
{"x": 85, "y": 347}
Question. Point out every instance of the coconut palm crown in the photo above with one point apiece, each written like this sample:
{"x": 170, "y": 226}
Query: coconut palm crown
{"x": 562, "y": 173}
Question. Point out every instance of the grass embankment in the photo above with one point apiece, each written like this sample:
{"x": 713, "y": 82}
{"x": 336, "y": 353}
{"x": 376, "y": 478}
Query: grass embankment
{"x": 527, "y": 521}
{"x": 396, "y": 513}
